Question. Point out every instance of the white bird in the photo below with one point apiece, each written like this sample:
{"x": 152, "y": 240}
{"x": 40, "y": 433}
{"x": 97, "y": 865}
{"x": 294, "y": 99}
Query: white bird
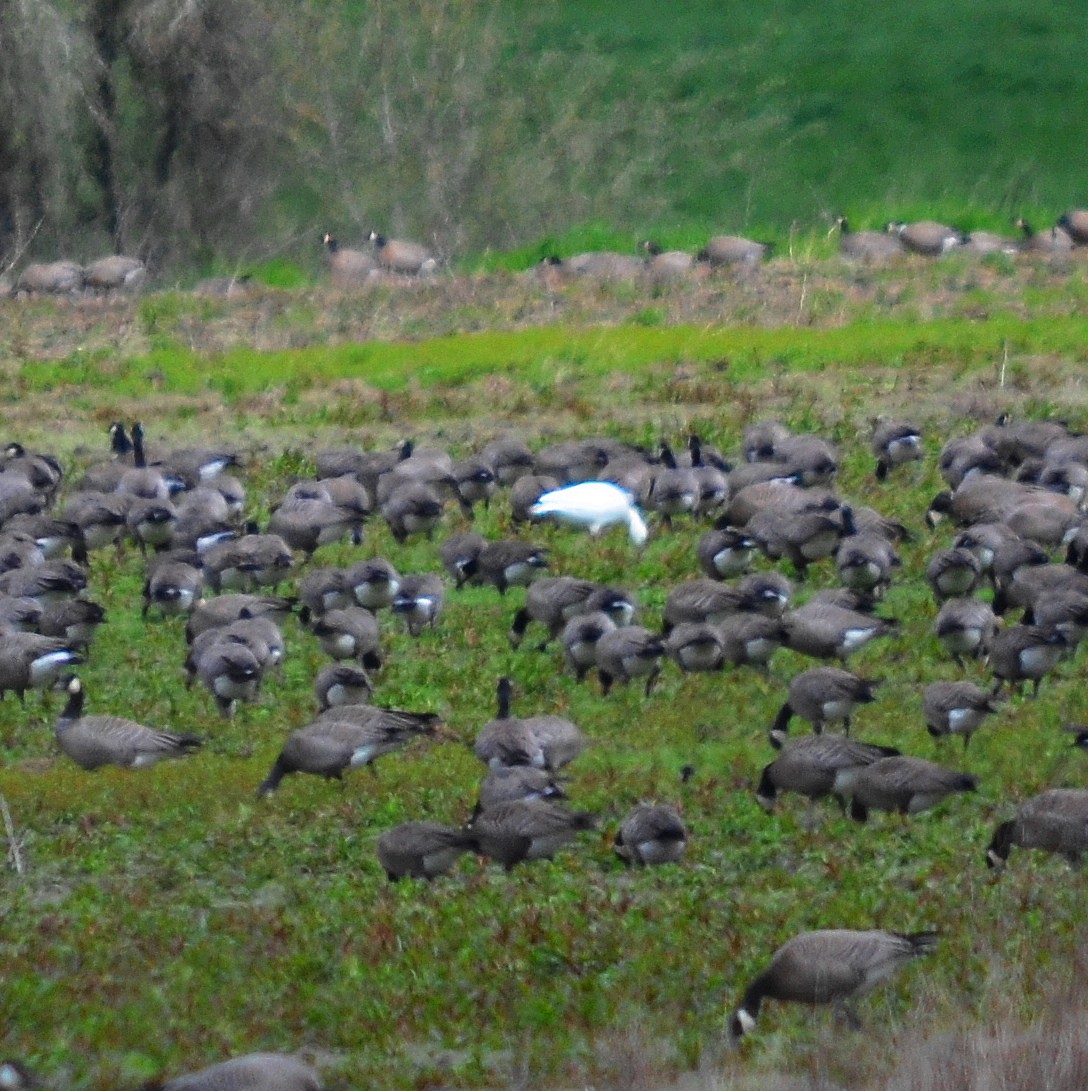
{"x": 593, "y": 505}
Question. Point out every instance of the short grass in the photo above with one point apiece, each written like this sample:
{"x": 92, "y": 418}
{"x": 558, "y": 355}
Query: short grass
{"x": 163, "y": 920}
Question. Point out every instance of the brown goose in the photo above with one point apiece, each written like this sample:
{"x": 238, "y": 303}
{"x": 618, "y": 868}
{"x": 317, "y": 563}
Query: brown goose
{"x": 115, "y": 272}
{"x": 32, "y": 661}
{"x": 174, "y": 583}
{"x": 823, "y": 695}
{"x": 953, "y": 573}
{"x": 830, "y": 966}
{"x": 347, "y": 267}
{"x": 904, "y": 784}
{"x": 374, "y": 583}
{"x": 350, "y": 633}
{"x": 534, "y": 829}
{"x": 750, "y": 639}
{"x": 724, "y": 552}
{"x": 510, "y": 563}
{"x": 579, "y": 639}
{"x": 927, "y": 237}
{"x": 340, "y": 684}
{"x": 652, "y": 833}
{"x": 734, "y": 250}
{"x": 628, "y": 652}
{"x": 508, "y": 782}
{"x": 956, "y": 708}
{"x": 1075, "y": 224}
{"x": 505, "y": 739}
{"x": 419, "y": 601}
{"x": 399, "y": 256}
{"x": 1025, "y": 653}
{"x": 825, "y": 631}
{"x": 94, "y": 741}
{"x": 867, "y": 246}
{"x": 422, "y": 850}
{"x": 1052, "y": 821}
{"x": 696, "y": 646}
{"x": 251, "y": 1072}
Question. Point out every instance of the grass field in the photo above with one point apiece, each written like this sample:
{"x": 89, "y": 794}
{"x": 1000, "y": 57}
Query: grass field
{"x": 162, "y": 920}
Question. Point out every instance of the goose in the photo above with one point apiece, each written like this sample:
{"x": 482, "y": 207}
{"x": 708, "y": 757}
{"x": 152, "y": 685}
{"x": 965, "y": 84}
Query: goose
{"x": 150, "y": 523}
{"x": 1054, "y": 821}
{"x": 419, "y": 601}
{"x": 560, "y": 740}
{"x": 251, "y": 1072}
{"x": 749, "y": 639}
{"x": 507, "y": 782}
{"x": 966, "y": 627}
{"x": 321, "y": 590}
{"x": 800, "y": 537}
{"x": 460, "y": 555}
{"x": 422, "y": 850}
{"x": 46, "y": 582}
{"x": 1054, "y": 241}
{"x": 734, "y": 250}
{"x": 247, "y": 563}
{"x": 1010, "y": 556}
{"x": 350, "y": 633}
{"x": 926, "y": 237}
{"x": 1029, "y": 582}
{"x": 832, "y": 632}
{"x": 956, "y": 708}
{"x": 99, "y": 517}
{"x": 651, "y": 834}
{"x": 55, "y": 537}
{"x": 510, "y": 563}
{"x": 75, "y": 621}
{"x": 115, "y": 272}
{"x": 505, "y": 739}
{"x": 695, "y": 646}
{"x": 526, "y": 829}
{"x": 223, "y": 609}
{"x": 984, "y": 540}
{"x": 823, "y": 695}
{"x": 894, "y": 444}
{"x": 526, "y": 491}
{"x": 816, "y": 766}
{"x": 174, "y": 584}
{"x": 306, "y": 525}
{"x": 989, "y": 242}
{"x": 338, "y": 684}
{"x": 579, "y": 639}
{"x": 593, "y": 505}
{"x": 230, "y": 672}
{"x": 398, "y": 256}
{"x": 346, "y": 737}
{"x": 21, "y": 613}
{"x": 33, "y": 661}
{"x": 571, "y": 461}
{"x": 866, "y": 562}
{"x": 476, "y": 481}
{"x": 413, "y": 508}
{"x": 868, "y": 246}
{"x": 1065, "y": 613}
{"x": 348, "y": 267}
{"x": 94, "y": 741}
{"x": 605, "y": 265}
{"x": 810, "y": 457}
{"x": 51, "y": 278}
{"x": 509, "y": 458}
{"x": 904, "y": 784}
{"x": 724, "y": 552}
{"x": 760, "y": 437}
{"x": 628, "y": 652}
{"x": 143, "y": 479}
{"x": 1023, "y": 653}
{"x": 374, "y": 583}
{"x": 1075, "y": 224}
{"x": 702, "y": 600}
{"x": 674, "y": 489}
{"x": 551, "y": 601}
{"x": 664, "y": 265}
{"x": 41, "y": 470}
{"x": 953, "y": 573}
{"x": 830, "y": 966}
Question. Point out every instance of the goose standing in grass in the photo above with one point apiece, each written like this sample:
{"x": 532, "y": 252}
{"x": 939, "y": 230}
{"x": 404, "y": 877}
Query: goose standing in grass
{"x": 339, "y": 684}
{"x": 628, "y": 652}
{"x": 510, "y": 563}
{"x": 823, "y": 695}
{"x": 399, "y": 256}
{"x": 906, "y": 785}
{"x": 419, "y": 601}
{"x": 579, "y": 639}
{"x": 724, "y": 552}
{"x": 1075, "y": 224}
{"x": 348, "y": 267}
{"x": 115, "y": 272}
{"x": 51, "y": 277}
{"x": 825, "y": 631}
{"x": 956, "y": 708}
{"x": 927, "y": 237}
{"x": 1025, "y": 653}
{"x": 422, "y": 850}
{"x": 734, "y": 250}
{"x": 966, "y": 628}
{"x": 867, "y": 246}
{"x": 507, "y": 782}
{"x": 830, "y": 966}
{"x": 251, "y": 1072}
{"x": 652, "y": 833}
{"x": 527, "y": 829}
{"x": 593, "y": 505}
{"x": 33, "y": 661}
{"x": 1052, "y": 821}
{"x": 94, "y": 741}
{"x": 894, "y": 444}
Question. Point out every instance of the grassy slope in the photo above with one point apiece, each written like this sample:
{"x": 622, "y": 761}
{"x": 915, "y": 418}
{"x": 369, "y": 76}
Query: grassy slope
{"x": 167, "y": 919}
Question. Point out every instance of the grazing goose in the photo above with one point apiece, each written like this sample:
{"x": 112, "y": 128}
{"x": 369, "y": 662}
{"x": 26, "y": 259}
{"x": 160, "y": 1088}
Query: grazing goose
{"x": 593, "y": 505}
{"x": 816, "y": 766}
{"x": 115, "y": 272}
{"x": 989, "y": 242}
{"x": 830, "y": 966}
{"x": 867, "y": 246}
{"x": 505, "y": 739}
{"x": 956, "y": 708}
{"x": 509, "y": 458}
{"x": 51, "y": 277}
{"x": 99, "y": 517}
{"x": 422, "y": 850}
{"x": 322, "y": 590}
{"x": 552, "y": 601}
{"x": 696, "y": 646}
{"x": 826, "y": 631}
{"x": 247, "y": 563}
{"x": 966, "y": 627}
{"x": 46, "y": 582}
{"x": 32, "y": 661}
{"x": 94, "y": 741}
{"x": 526, "y": 491}
{"x": 251, "y": 1072}
{"x": 866, "y": 562}
{"x": 510, "y": 563}
{"x": 666, "y": 265}
{"x": 340, "y": 684}
{"x": 526, "y": 829}
{"x": 476, "y": 481}
{"x": 926, "y": 237}
{"x": 628, "y": 652}
{"x": 734, "y": 250}
{"x": 348, "y": 267}
{"x": 823, "y": 695}
{"x": 15, "y": 1076}
{"x": 506, "y": 782}
{"x": 344, "y": 738}
{"x": 419, "y": 601}
{"x": 151, "y": 523}
{"x": 230, "y": 672}
{"x": 579, "y": 639}
{"x": 1065, "y": 613}
{"x": 810, "y": 457}
{"x": 1053, "y": 821}
{"x": 674, "y": 489}
{"x": 460, "y": 555}
{"x": 800, "y": 537}
{"x": 750, "y": 639}
{"x": 307, "y": 524}
{"x": 904, "y": 784}
{"x": 1023, "y": 653}
{"x": 1056, "y": 240}
{"x": 75, "y": 621}
{"x": 398, "y": 256}
{"x": 413, "y": 508}
{"x": 724, "y": 552}
{"x": 374, "y": 583}
{"x": 174, "y": 584}
{"x": 223, "y": 609}
{"x": 953, "y": 573}
{"x": 350, "y": 633}
{"x": 652, "y": 833}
